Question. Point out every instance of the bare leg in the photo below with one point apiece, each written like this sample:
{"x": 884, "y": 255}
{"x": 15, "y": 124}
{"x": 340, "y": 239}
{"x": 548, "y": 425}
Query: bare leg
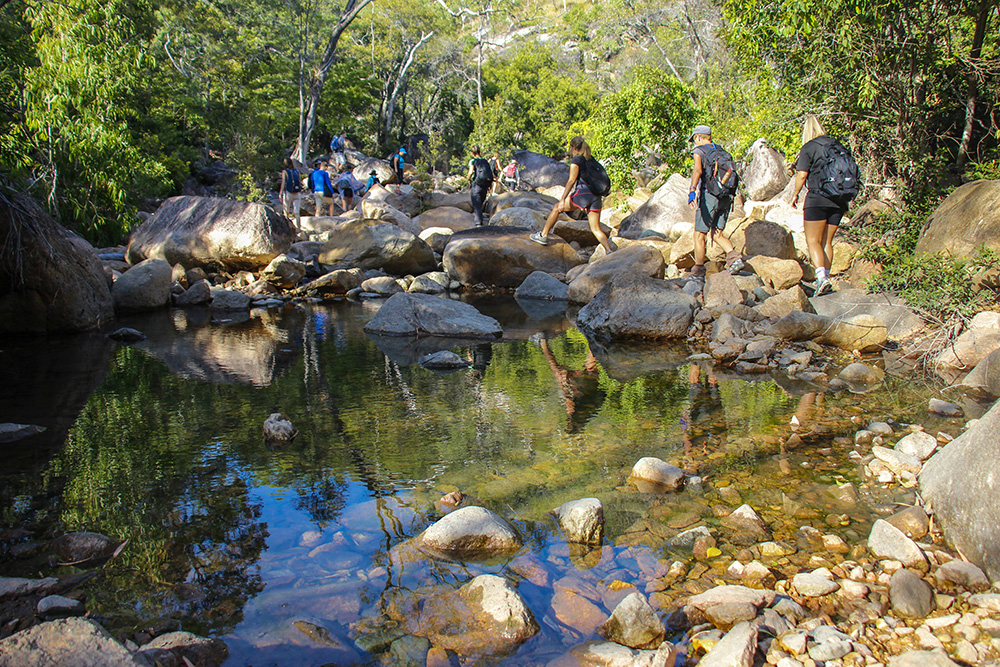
{"x": 828, "y": 235}
{"x": 717, "y": 236}
{"x": 550, "y": 222}
{"x": 699, "y": 247}
{"x": 594, "y": 218}
{"x": 815, "y": 231}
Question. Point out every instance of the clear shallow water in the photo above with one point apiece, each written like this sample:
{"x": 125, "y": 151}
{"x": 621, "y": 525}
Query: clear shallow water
{"x": 161, "y": 443}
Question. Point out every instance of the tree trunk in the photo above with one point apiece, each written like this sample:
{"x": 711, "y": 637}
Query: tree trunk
{"x": 399, "y": 81}
{"x": 972, "y": 81}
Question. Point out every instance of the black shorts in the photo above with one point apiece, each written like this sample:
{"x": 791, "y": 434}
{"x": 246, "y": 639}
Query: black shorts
{"x": 346, "y": 190}
{"x": 582, "y": 197}
{"x": 832, "y": 214}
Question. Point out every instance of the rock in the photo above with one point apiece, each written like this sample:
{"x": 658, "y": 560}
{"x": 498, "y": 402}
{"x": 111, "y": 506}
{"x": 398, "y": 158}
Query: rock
{"x": 897, "y": 461}
{"x": 970, "y": 348}
{"x": 936, "y": 658}
{"x": 860, "y": 373}
{"x": 10, "y": 432}
{"x": 338, "y": 281}
{"x": 146, "y": 286}
{"x": 541, "y": 285}
{"x": 212, "y": 232}
{"x": 409, "y": 651}
{"x": 229, "y": 300}
{"x": 747, "y": 526}
{"x": 503, "y": 257}
{"x": 814, "y": 584}
{"x": 965, "y": 221}
{"x": 197, "y": 294}
{"x": 68, "y": 642}
{"x": 765, "y": 176}
{"x": 887, "y": 541}
{"x": 984, "y": 379}
{"x": 610, "y": 654}
{"x": 659, "y": 472}
{"x": 382, "y": 285}
{"x": 862, "y": 332}
{"x": 958, "y": 573}
{"x": 57, "y": 606}
{"x": 634, "y": 624}
{"x": 986, "y": 319}
{"x": 572, "y": 230}
{"x": 284, "y": 272}
{"x": 469, "y": 534}
{"x": 83, "y": 547}
{"x": 127, "y": 335}
{"x": 768, "y": 239}
{"x": 434, "y": 282}
{"x": 736, "y": 649}
{"x": 278, "y": 428}
{"x": 425, "y": 315}
{"x": 13, "y": 587}
{"x": 51, "y": 280}
{"x": 833, "y": 649}
{"x": 910, "y": 595}
{"x": 919, "y": 445}
{"x": 936, "y": 406}
{"x": 961, "y": 482}
{"x": 438, "y": 199}
{"x": 635, "y": 307}
{"x": 437, "y": 238}
{"x": 383, "y": 170}
{"x": 785, "y": 302}
{"x": 634, "y": 261}
{"x": 913, "y": 521}
{"x": 365, "y": 244}
{"x": 445, "y": 217}
{"x": 721, "y": 290}
{"x": 519, "y": 218}
{"x": 778, "y": 273}
{"x": 539, "y": 170}
{"x": 582, "y": 521}
{"x": 183, "y": 648}
{"x": 662, "y": 211}
{"x": 687, "y": 538}
{"x": 725, "y": 616}
{"x": 900, "y": 320}
{"x": 443, "y": 360}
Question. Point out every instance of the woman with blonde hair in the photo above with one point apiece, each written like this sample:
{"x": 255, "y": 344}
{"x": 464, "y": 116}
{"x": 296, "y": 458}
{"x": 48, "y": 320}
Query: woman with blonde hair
{"x": 821, "y": 211}
{"x": 577, "y": 194}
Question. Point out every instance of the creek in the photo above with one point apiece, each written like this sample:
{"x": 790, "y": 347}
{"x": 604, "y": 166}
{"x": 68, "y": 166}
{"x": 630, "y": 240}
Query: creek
{"x": 288, "y": 552}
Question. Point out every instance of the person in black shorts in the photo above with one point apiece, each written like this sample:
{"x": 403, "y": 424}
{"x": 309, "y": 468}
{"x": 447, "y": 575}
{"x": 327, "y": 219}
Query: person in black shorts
{"x": 821, "y": 215}
{"x": 577, "y": 194}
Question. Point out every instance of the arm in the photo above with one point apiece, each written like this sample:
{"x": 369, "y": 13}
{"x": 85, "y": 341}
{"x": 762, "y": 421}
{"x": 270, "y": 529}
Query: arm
{"x": 800, "y": 180}
{"x": 695, "y": 180}
{"x": 472, "y": 170}
{"x": 281, "y": 177}
{"x": 574, "y": 173}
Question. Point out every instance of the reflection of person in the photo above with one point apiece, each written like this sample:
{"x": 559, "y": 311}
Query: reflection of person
{"x": 704, "y": 404}
{"x": 711, "y": 213}
{"x": 577, "y": 194}
{"x": 576, "y": 387}
{"x": 809, "y": 409}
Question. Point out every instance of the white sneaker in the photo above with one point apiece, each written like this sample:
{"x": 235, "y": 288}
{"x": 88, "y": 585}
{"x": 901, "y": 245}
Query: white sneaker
{"x": 823, "y": 286}
{"x": 539, "y": 239}
{"x": 736, "y": 266}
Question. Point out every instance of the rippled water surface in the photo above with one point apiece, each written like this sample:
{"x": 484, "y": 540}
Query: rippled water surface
{"x": 288, "y": 553}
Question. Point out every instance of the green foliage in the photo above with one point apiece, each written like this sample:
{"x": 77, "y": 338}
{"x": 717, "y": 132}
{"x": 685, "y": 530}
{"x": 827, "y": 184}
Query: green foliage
{"x": 741, "y": 111}
{"x": 988, "y": 170}
{"x": 653, "y": 112}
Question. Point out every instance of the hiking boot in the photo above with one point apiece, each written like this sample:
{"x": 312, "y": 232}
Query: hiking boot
{"x": 734, "y": 261}
{"x": 698, "y": 272}
{"x": 736, "y": 266}
{"x": 539, "y": 239}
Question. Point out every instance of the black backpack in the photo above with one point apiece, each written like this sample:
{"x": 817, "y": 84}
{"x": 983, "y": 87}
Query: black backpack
{"x": 834, "y": 173}
{"x": 720, "y": 172}
{"x": 596, "y": 177}
{"x": 483, "y": 172}
{"x": 293, "y": 183}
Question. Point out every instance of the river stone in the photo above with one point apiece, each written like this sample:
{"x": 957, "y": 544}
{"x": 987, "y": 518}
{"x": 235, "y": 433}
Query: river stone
{"x": 736, "y": 649}
{"x": 382, "y": 285}
{"x": 369, "y": 244}
{"x": 864, "y": 333}
{"x": 52, "y": 280}
{"x": 919, "y": 445}
{"x": 984, "y": 379}
{"x": 83, "y": 546}
{"x": 184, "y": 648}
{"x": 198, "y": 293}
{"x": 832, "y": 649}
{"x": 278, "y": 428}
{"x": 725, "y": 616}
{"x": 897, "y": 461}
{"x": 936, "y": 406}
{"x": 962, "y": 574}
{"x": 935, "y": 658}
{"x": 68, "y": 642}
{"x": 53, "y": 606}
{"x": 609, "y": 654}
{"x": 784, "y": 303}
{"x": 284, "y": 272}
{"x": 437, "y": 238}
{"x": 634, "y": 307}
{"x": 965, "y": 221}
{"x": 230, "y": 300}
{"x": 961, "y": 482}
{"x": 12, "y": 587}
{"x": 687, "y": 538}
{"x": 667, "y": 207}
{"x": 503, "y": 257}
{"x": 658, "y": 471}
{"x": 213, "y": 232}
{"x": 910, "y": 595}
{"x": 541, "y": 285}
{"x": 814, "y": 584}
{"x": 470, "y": 533}
{"x": 634, "y": 261}
{"x": 913, "y": 521}
{"x": 746, "y": 525}
{"x": 338, "y": 281}
{"x": 634, "y": 623}
{"x": 887, "y": 541}
{"x": 434, "y": 282}
{"x": 860, "y": 373}
{"x": 778, "y": 273}
{"x": 443, "y": 360}
{"x": 721, "y": 290}
{"x": 146, "y": 286}
{"x": 765, "y": 176}
{"x": 966, "y": 351}
{"x": 409, "y": 651}
{"x": 900, "y": 320}
{"x": 582, "y": 521}
{"x": 498, "y": 605}
{"x": 426, "y": 315}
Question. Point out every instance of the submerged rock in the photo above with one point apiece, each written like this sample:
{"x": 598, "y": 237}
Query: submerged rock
{"x": 83, "y": 547}
{"x": 660, "y": 472}
{"x": 582, "y": 521}
{"x": 278, "y": 428}
{"x": 635, "y": 624}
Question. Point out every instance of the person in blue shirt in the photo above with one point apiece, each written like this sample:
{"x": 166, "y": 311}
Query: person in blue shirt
{"x": 337, "y": 146}
{"x": 319, "y": 181}
{"x": 398, "y": 162}
{"x": 372, "y": 180}
{"x": 348, "y": 186}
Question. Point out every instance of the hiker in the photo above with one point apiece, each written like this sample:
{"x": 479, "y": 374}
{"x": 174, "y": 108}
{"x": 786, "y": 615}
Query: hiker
{"x": 372, "y": 180}
{"x": 348, "y": 186}
{"x": 398, "y": 162}
{"x": 578, "y": 193}
{"x": 322, "y": 188}
{"x": 337, "y": 146}
{"x": 480, "y": 180}
{"x": 291, "y": 192}
{"x": 496, "y": 167}
{"x": 510, "y": 179}
{"x": 713, "y": 184}
{"x": 833, "y": 180}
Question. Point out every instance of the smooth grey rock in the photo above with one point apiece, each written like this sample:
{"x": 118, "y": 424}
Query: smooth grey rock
{"x": 610, "y": 654}
{"x": 962, "y": 574}
{"x": 860, "y": 373}
{"x": 900, "y": 320}
{"x": 833, "y": 649}
{"x": 470, "y": 533}
{"x": 919, "y": 445}
{"x": 284, "y": 272}
{"x": 687, "y": 538}
{"x": 198, "y": 293}
{"x": 443, "y": 360}
{"x": 426, "y": 315}
{"x": 637, "y": 308}
{"x": 53, "y": 606}
{"x": 229, "y": 300}
{"x": 667, "y": 207}
{"x": 935, "y": 658}
{"x": 729, "y": 595}
{"x": 499, "y": 607}
{"x": 83, "y": 546}
{"x": 541, "y": 285}
{"x": 936, "y": 406}
{"x": 503, "y": 256}
{"x": 984, "y": 379}
{"x": 631, "y": 262}
{"x": 634, "y": 623}
{"x": 582, "y": 521}
{"x": 12, "y": 587}
{"x": 146, "y": 286}
{"x": 336, "y": 282}
{"x": 813, "y": 585}
{"x": 887, "y": 541}
{"x": 896, "y": 460}
{"x": 429, "y": 283}
{"x": 910, "y": 595}
{"x": 736, "y": 649}
{"x": 765, "y": 176}
{"x": 382, "y": 285}
{"x": 746, "y": 526}
{"x": 658, "y": 471}
{"x": 278, "y": 428}
{"x": 67, "y": 642}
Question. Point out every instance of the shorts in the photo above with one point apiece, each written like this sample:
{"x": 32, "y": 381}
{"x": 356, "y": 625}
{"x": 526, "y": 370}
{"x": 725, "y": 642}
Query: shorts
{"x": 291, "y": 202}
{"x": 832, "y": 214}
{"x": 339, "y": 159}
{"x": 320, "y": 200}
{"x": 346, "y": 191}
{"x": 581, "y": 197}
{"x": 711, "y": 213}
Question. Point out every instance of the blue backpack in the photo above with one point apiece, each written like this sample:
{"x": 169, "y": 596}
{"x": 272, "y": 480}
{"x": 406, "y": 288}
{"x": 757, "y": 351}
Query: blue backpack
{"x": 336, "y": 144}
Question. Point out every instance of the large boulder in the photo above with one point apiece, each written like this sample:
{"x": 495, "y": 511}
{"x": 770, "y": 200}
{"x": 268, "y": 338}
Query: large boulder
{"x": 68, "y": 642}
{"x": 765, "y": 176}
{"x": 900, "y": 320}
{"x": 968, "y": 219}
{"x": 763, "y": 237}
{"x": 212, "y": 232}
{"x": 666, "y": 207}
{"x": 864, "y": 333}
{"x": 967, "y": 350}
{"x": 518, "y": 199}
{"x": 372, "y": 210}
{"x": 984, "y": 379}
{"x": 638, "y": 307}
{"x": 368, "y": 244}
{"x": 503, "y": 257}
{"x": 571, "y": 229}
{"x": 437, "y": 199}
{"x": 425, "y": 315}
{"x": 962, "y": 482}
{"x": 470, "y": 533}
{"x": 51, "y": 280}
{"x": 519, "y": 217}
{"x": 541, "y": 285}
{"x": 637, "y": 260}
{"x": 778, "y": 273}
{"x": 541, "y": 171}
{"x": 146, "y": 286}
{"x": 383, "y": 170}
{"x": 449, "y": 217}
